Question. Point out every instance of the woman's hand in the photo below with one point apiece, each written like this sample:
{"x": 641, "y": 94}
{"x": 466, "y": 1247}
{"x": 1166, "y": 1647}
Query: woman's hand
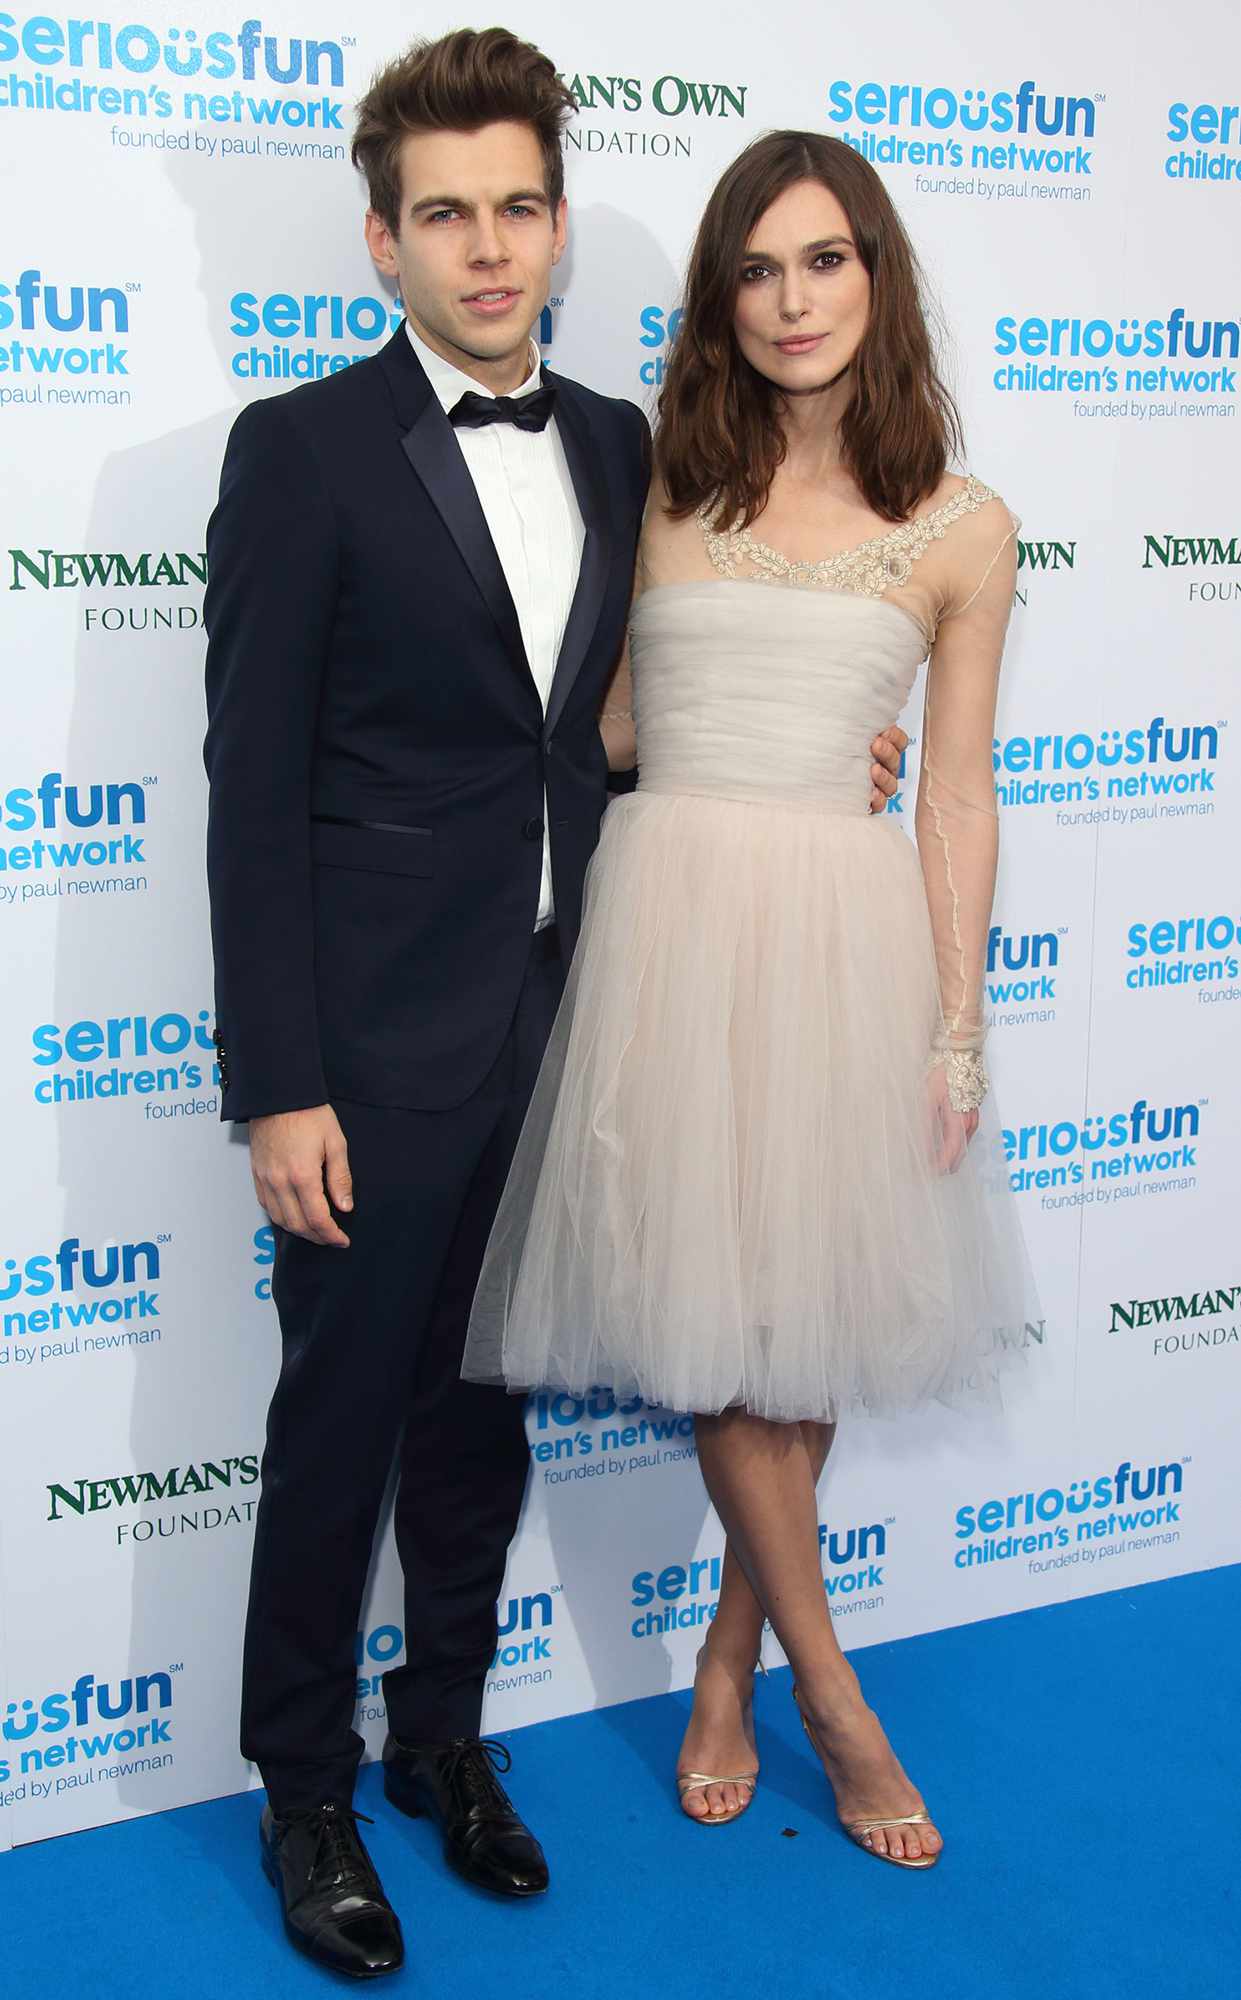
{"x": 951, "y": 1131}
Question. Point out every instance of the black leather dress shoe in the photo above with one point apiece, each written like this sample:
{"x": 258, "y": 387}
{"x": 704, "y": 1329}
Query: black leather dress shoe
{"x": 335, "y": 1909}
{"x": 456, "y": 1785}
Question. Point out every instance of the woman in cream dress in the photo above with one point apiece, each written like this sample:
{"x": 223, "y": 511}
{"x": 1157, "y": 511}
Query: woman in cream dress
{"x": 746, "y": 1186}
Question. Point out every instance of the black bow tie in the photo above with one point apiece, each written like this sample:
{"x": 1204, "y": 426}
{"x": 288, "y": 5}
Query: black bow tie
{"x": 529, "y": 413}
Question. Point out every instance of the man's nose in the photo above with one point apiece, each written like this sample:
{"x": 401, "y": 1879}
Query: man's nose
{"x": 488, "y": 246}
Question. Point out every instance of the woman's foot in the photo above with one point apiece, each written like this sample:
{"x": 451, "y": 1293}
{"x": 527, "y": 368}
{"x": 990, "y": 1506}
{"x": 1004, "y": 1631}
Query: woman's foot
{"x": 719, "y": 1737}
{"x": 865, "y": 1775}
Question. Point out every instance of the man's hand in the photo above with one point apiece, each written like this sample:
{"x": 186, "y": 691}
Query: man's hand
{"x": 294, "y": 1155}
{"x": 887, "y": 750}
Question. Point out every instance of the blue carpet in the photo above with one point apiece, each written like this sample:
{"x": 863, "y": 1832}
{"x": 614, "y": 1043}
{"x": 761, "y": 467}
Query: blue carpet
{"x": 1082, "y": 1761}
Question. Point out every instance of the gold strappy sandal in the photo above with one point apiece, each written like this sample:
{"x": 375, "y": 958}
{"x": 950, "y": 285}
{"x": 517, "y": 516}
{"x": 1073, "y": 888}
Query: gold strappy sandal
{"x": 697, "y": 1781}
{"x": 860, "y": 1830}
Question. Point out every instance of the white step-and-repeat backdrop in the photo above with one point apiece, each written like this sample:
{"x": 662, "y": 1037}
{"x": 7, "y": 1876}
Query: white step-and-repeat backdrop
{"x": 182, "y": 232}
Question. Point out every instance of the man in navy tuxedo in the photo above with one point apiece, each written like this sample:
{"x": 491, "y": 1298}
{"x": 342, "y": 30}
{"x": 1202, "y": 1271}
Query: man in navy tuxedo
{"x": 420, "y": 575}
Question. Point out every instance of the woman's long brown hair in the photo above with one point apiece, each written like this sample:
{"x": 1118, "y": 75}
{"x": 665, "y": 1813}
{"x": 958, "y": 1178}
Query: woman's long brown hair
{"x": 720, "y": 437}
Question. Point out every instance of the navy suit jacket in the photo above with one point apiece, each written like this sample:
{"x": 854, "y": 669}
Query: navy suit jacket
{"x": 377, "y": 750}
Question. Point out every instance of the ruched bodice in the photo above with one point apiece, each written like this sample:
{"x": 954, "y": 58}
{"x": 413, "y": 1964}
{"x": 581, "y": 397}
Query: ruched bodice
{"x": 742, "y": 692}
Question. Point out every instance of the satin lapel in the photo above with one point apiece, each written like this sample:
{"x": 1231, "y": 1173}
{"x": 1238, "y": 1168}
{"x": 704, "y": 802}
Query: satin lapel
{"x": 581, "y": 450}
{"x": 432, "y": 449}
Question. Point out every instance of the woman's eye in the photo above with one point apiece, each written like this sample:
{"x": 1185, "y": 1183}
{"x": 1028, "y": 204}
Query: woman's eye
{"x": 752, "y": 272}
{"x": 828, "y": 260}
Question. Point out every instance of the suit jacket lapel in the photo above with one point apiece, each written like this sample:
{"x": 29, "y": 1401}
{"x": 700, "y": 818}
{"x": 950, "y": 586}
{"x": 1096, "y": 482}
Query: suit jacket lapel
{"x": 432, "y": 449}
{"x": 581, "y": 450}
{"x": 430, "y": 445}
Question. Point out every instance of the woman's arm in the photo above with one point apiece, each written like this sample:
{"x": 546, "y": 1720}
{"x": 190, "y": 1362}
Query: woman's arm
{"x": 616, "y": 716}
{"x": 956, "y": 820}
{"x": 616, "y": 724}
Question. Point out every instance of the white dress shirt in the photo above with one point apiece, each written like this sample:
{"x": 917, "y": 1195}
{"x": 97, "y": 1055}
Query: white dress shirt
{"x": 524, "y": 487}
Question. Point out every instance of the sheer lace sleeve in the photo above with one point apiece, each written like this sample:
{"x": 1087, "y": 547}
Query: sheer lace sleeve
{"x": 616, "y": 724}
{"x": 616, "y": 717}
{"x": 956, "y": 819}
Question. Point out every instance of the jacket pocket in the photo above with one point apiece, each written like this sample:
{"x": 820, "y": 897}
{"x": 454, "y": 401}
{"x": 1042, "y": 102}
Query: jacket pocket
{"x": 379, "y": 847}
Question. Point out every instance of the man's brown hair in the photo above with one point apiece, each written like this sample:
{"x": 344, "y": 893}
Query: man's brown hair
{"x": 720, "y": 438}
{"x": 460, "y": 83}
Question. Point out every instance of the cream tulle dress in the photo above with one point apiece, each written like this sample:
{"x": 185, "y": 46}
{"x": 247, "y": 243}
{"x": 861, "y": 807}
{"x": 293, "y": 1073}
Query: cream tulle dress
{"x": 727, "y": 1190}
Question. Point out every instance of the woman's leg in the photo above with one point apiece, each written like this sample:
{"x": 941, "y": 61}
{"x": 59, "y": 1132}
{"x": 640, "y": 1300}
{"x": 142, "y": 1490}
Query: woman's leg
{"x": 720, "y": 1732}
{"x": 759, "y": 1476}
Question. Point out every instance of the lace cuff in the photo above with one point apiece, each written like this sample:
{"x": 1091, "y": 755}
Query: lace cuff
{"x": 966, "y": 1074}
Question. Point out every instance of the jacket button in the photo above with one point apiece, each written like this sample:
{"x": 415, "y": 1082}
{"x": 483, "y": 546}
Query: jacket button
{"x": 533, "y": 829}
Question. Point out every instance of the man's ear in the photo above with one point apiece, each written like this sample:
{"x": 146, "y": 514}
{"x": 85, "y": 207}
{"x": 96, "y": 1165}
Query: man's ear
{"x": 560, "y": 229}
{"x": 379, "y": 242}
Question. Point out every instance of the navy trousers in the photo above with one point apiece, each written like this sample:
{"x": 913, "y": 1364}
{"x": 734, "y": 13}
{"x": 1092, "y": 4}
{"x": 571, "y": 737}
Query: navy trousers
{"x": 372, "y": 1339}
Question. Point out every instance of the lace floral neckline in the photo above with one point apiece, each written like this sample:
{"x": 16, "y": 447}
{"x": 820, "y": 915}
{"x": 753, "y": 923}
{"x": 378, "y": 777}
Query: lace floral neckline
{"x": 867, "y": 570}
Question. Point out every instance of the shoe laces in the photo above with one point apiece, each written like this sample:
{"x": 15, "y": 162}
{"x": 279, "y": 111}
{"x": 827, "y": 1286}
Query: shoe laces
{"x": 337, "y": 1841}
{"x": 470, "y": 1764}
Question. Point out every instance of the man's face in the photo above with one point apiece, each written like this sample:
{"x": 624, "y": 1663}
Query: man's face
{"x": 474, "y": 253}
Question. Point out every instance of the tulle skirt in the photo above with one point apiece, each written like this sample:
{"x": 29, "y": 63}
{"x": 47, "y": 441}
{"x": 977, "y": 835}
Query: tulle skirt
{"x": 726, "y": 1190}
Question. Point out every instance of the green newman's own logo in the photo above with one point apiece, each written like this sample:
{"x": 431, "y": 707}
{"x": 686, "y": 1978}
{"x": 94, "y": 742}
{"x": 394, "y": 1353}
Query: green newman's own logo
{"x": 670, "y": 96}
{"x": 1180, "y": 551}
{"x": 1158, "y": 1312}
{"x": 139, "y": 1489}
{"x": 50, "y": 569}
{"x": 1046, "y": 555}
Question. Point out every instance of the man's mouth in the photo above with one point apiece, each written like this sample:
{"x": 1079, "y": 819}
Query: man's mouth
{"x": 494, "y": 300}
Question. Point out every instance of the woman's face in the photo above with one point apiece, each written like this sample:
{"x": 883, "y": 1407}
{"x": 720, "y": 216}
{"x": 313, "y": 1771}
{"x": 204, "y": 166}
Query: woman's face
{"x": 803, "y": 293}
